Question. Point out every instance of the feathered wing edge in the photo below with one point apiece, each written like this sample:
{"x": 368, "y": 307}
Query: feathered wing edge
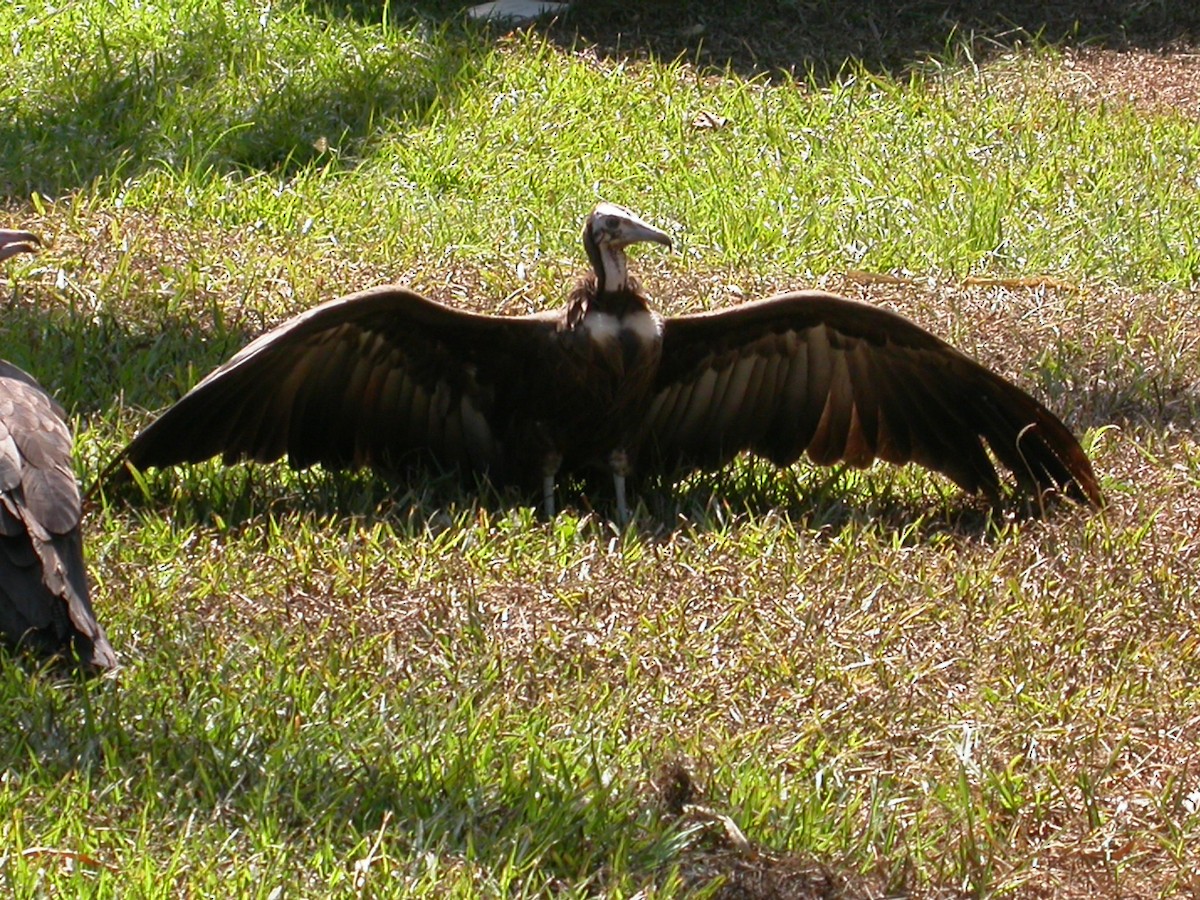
{"x": 360, "y": 380}
{"x": 848, "y": 381}
{"x": 14, "y": 242}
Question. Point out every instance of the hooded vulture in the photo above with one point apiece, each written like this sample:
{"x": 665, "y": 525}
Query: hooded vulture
{"x": 385, "y": 376}
{"x": 44, "y": 605}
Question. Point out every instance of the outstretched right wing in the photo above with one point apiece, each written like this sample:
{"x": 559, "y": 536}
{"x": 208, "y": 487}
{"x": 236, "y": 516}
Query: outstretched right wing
{"x": 371, "y": 379}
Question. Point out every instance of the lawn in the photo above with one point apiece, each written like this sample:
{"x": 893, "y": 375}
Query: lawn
{"x": 808, "y": 683}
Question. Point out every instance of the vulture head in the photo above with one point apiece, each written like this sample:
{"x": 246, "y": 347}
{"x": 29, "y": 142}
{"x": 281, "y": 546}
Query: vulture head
{"x": 607, "y": 231}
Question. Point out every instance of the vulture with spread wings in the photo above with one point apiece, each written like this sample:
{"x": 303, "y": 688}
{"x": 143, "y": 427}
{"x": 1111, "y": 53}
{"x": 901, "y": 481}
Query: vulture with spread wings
{"x": 384, "y": 377}
{"x": 44, "y": 605}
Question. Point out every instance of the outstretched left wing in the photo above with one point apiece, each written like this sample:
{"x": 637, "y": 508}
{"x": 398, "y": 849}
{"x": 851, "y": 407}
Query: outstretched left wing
{"x": 849, "y": 382}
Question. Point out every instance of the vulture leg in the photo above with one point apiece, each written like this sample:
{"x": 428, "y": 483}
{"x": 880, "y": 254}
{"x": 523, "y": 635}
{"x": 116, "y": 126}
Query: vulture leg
{"x": 618, "y": 461}
{"x": 551, "y": 462}
{"x": 622, "y": 506}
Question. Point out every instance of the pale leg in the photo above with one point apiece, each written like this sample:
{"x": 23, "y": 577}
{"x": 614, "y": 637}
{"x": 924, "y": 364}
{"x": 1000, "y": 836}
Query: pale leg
{"x": 618, "y": 461}
{"x": 550, "y": 465}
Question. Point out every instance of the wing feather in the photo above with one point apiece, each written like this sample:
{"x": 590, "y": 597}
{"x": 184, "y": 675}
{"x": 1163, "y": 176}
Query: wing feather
{"x": 44, "y": 602}
{"x": 847, "y": 381}
{"x": 698, "y": 396}
{"x": 941, "y": 440}
{"x": 399, "y": 397}
{"x": 315, "y": 414}
{"x": 894, "y": 431}
{"x": 862, "y": 436}
{"x": 419, "y": 431}
{"x": 735, "y": 392}
{"x": 820, "y": 370}
{"x": 724, "y": 365}
{"x": 742, "y": 400}
{"x": 760, "y": 401}
{"x": 481, "y": 447}
{"x": 828, "y": 442}
{"x": 370, "y": 378}
{"x": 708, "y": 426}
{"x": 793, "y": 431}
{"x": 439, "y": 409}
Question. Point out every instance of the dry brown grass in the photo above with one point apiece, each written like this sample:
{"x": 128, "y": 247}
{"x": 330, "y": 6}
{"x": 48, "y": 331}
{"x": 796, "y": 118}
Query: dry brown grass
{"x": 1053, "y": 659}
{"x": 889, "y": 690}
{"x": 1153, "y": 82}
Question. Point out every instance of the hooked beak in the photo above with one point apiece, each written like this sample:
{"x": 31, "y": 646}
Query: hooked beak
{"x": 618, "y": 227}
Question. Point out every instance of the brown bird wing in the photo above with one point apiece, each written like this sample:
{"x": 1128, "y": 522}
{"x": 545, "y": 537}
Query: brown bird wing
{"x": 848, "y": 382}
{"x": 376, "y": 378}
{"x": 44, "y": 601}
{"x": 14, "y": 242}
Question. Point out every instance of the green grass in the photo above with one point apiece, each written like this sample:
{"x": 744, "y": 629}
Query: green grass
{"x": 336, "y": 686}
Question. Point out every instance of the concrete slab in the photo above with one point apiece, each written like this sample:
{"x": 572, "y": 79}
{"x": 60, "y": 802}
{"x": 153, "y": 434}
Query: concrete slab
{"x": 515, "y": 11}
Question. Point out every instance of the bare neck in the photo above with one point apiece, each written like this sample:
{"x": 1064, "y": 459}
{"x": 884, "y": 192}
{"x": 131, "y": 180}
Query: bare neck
{"x": 613, "y": 273}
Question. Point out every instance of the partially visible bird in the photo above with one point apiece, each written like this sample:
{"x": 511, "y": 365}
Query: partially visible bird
{"x": 385, "y": 376}
{"x": 44, "y": 604}
{"x": 14, "y": 242}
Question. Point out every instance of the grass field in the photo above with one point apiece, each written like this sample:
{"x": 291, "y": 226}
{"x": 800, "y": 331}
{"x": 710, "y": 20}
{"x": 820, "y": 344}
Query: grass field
{"x": 801, "y": 684}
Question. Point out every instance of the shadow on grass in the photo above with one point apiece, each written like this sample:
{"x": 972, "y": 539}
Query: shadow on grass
{"x": 822, "y": 502}
{"x": 125, "y": 111}
{"x": 204, "y": 101}
{"x": 820, "y": 37}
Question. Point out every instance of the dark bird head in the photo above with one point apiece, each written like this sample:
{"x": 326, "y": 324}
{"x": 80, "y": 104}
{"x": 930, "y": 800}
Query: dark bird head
{"x": 606, "y": 233}
{"x": 14, "y": 242}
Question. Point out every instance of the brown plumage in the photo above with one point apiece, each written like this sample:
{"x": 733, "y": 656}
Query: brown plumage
{"x": 385, "y": 376}
{"x": 44, "y": 605}
{"x": 14, "y": 242}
